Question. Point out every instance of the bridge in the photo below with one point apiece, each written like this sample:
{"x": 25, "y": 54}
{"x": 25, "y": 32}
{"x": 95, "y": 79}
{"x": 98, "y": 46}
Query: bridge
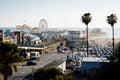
{"x": 42, "y": 49}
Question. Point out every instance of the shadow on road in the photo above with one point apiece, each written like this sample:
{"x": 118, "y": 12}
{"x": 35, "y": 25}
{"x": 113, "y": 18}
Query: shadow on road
{"x": 28, "y": 77}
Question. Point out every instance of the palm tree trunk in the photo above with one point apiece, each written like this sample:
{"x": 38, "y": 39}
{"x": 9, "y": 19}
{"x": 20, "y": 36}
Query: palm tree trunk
{"x": 113, "y": 38}
{"x": 87, "y": 39}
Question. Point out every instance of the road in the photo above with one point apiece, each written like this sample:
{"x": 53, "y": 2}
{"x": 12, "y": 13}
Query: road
{"x": 25, "y": 70}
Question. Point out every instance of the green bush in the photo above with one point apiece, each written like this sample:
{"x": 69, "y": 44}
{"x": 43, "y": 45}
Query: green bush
{"x": 50, "y": 74}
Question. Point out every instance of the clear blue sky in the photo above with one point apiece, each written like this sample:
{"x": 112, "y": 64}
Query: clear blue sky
{"x": 58, "y": 13}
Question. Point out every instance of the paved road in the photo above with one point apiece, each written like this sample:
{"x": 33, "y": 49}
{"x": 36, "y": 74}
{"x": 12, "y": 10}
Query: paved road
{"x": 25, "y": 70}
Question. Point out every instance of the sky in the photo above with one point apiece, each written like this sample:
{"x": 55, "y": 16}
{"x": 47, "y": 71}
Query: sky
{"x": 57, "y": 13}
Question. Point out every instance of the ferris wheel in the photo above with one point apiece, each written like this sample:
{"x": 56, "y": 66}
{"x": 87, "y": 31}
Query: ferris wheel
{"x": 43, "y": 25}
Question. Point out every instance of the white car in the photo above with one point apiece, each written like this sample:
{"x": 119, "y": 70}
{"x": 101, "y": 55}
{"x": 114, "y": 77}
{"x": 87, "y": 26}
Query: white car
{"x": 35, "y": 55}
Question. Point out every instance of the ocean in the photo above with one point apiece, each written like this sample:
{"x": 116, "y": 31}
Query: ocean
{"x": 8, "y": 28}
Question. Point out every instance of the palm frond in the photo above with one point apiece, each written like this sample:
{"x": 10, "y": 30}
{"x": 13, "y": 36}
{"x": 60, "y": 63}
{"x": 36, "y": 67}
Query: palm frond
{"x": 112, "y": 19}
{"x": 86, "y": 18}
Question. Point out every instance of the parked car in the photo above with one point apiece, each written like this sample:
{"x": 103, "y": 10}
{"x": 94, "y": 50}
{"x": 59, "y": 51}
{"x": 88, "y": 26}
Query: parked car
{"x": 77, "y": 68}
{"x": 31, "y": 63}
{"x": 69, "y": 59}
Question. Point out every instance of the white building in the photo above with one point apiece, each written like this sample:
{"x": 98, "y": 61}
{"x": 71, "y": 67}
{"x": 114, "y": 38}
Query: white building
{"x": 92, "y": 63}
{"x": 53, "y": 35}
{"x": 31, "y": 38}
{"x": 74, "y": 36}
{"x": 59, "y": 64}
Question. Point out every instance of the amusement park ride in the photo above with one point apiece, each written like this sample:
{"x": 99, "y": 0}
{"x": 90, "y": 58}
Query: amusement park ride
{"x": 42, "y": 27}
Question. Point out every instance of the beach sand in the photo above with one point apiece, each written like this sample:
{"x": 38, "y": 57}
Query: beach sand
{"x": 104, "y": 41}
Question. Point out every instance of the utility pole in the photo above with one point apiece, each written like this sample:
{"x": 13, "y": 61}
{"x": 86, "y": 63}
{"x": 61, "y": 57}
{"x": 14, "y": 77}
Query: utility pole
{"x": 72, "y": 45}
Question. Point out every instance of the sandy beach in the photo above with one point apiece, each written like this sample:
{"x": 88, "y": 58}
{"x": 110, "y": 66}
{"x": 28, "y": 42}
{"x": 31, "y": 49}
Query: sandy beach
{"x": 103, "y": 41}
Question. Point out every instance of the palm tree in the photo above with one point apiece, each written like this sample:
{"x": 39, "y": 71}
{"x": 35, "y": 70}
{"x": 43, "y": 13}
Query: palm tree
{"x": 112, "y": 19}
{"x": 86, "y": 19}
{"x": 8, "y": 55}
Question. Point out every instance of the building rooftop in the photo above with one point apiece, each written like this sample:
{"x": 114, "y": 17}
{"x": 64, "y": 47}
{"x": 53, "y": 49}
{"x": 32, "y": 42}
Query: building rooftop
{"x": 94, "y": 59}
{"x": 54, "y": 64}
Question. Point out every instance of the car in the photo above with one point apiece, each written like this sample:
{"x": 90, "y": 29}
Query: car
{"x": 35, "y": 55}
{"x": 77, "y": 68}
{"x": 69, "y": 60}
{"x": 31, "y": 63}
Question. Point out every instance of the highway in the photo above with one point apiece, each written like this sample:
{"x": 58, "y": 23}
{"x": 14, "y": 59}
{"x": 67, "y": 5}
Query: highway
{"x": 25, "y": 70}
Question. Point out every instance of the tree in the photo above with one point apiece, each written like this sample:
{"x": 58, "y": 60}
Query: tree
{"x": 112, "y": 19}
{"x": 8, "y": 55}
{"x": 117, "y": 52}
{"x": 50, "y": 74}
{"x": 46, "y": 73}
{"x": 86, "y": 19}
{"x": 110, "y": 71}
